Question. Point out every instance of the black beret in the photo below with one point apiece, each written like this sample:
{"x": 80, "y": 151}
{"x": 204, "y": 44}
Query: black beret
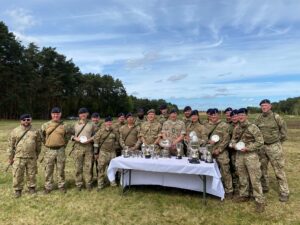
{"x": 108, "y": 119}
{"x": 195, "y": 112}
{"x": 265, "y": 101}
{"x": 163, "y": 106}
{"x": 55, "y": 110}
{"x": 95, "y": 115}
{"x": 121, "y": 114}
{"x": 128, "y": 115}
{"x": 187, "y": 108}
{"x": 208, "y": 111}
{"x": 229, "y": 109}
{"x": 140, "y": 110}
{"x": 213, "y": 111}
{"x": 25, "y": 116}
{"x": 243, "y": 110}
{"x": 83, "y": 110}
{"x": 234, "y": 112}
{"x": 173, "y": 111}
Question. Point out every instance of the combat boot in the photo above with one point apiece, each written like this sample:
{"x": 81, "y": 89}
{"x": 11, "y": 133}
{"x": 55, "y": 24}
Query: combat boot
{"x": 113, "y": 184}
{"x": 100, "y": 187}
{"x": 18, "y": 193}
{"x": 47, "y": 191}
{"x": 260, "y": 207}
{"x": 32, "y": 190}
{"x": 283, "y": 198}
{"x": 63, "y": 190}
{"x": 229, "y": 195}
{"x": 89, "y": 187}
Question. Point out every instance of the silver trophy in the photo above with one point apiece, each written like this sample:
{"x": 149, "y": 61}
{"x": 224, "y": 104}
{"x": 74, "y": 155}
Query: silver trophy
{"x": 179, "y": 147}
{"x": 165, "y": 144}
{"x": 193, "y": 148}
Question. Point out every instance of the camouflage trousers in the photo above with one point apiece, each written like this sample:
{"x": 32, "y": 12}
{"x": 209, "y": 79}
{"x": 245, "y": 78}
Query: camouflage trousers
{"x": 248, "y": 167}
{"x": 22, "y": 166}
{"x": 233, "y": 170}
{"x": 83, "y": 155}
{"x": 273, "y": 153}
{"x": 223, "y": 162}
{"x": 103, "y": 162}
{"x": 54, "y": 157}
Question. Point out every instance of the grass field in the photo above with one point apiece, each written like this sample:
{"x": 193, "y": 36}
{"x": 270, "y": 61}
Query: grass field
{"x": 144, "y": 205}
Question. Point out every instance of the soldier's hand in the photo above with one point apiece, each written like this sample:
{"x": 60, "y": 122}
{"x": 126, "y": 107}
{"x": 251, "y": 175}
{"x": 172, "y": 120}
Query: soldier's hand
{"x": 96, "y": 156}
{"x": 211, "y": 142}
{"x": 10, "y": 161}
{"x": 76, "y": 139}
{"x": 244, "y": 150}
{"x": 216, "y": 152}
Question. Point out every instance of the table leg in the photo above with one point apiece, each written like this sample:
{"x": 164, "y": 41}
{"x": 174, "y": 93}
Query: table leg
{"x": 204, "y": 189}
{"x": 124, "y": 187}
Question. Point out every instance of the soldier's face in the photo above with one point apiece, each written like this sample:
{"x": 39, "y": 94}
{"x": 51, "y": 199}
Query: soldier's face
{"x": 83, "y": 116}
{"x": 56, "y": 116}
{"x": 130, "y": 120}
{"x": 95, "y": 119}
{"x": 235, "y": 118}
{"x": 242, "y": 117}
{"x": 164, "y": 111}
{"x": 265, "y": 107}
{"x": 26, "y": 122}
{"x": 108, "y": 123}
{"x": 214, "y": 118}
{"x": 194, "y": 118}
{"x": 188, "y": 113}
{"x": 228, "y": 115}
{"x": 121, "y": 119}
{"x": 173, "y": 116}
{"x": 151, "y": 116}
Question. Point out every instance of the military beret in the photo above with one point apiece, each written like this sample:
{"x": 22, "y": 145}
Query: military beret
{"x": 234, "y": 112}
{"x": 55, "y": 110}
{"x": 229, "y": 109}
{"x": 121, "y": 114}
{"x": 108, "y": 119}
{"x": 163, "y": 106}
{"x": 187, "y": 108}
{"x": 194, "y": 112}
{"x": 25, "y": 116}
{"x": 95, "y": 115}
{"x": 150, "y": 111}
{"x": 128, "y": 115}
{"x": 140, "y": 110}
{"x": 243, "y": 110}
{"x": 83, "y": 110}
{"x": 173, "y": 111}
{"x": 267, "y": 101}
{"x": 213, "y": 111}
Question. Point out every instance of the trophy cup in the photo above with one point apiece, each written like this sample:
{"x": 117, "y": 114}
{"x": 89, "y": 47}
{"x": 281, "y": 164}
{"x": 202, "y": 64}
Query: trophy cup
{"x": 194, "y": 146}
{"x": 179, "y": 147}
{"x": 147, "y": 152}
{"x": 165, "y": 144}
{"x": 125, "y": 152}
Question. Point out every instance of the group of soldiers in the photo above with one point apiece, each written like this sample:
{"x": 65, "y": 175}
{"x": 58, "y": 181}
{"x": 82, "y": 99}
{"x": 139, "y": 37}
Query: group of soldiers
{"x": 95, "y": 143}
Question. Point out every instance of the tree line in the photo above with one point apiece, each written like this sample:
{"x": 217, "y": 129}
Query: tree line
{"x": 34, "y": 80}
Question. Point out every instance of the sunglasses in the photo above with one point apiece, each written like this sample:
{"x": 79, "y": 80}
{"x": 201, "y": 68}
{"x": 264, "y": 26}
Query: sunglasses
{"x": 27, "y": 119}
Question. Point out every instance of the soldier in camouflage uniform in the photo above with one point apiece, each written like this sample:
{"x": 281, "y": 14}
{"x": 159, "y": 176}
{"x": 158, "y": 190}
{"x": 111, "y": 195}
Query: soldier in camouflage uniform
{"x": 187, "y": 115}
{"x": 274, "y": 131}
{"x": 140, "y": 117}
{"x": 83, "y": 151}
{"x": 24, "y": 149}
{"x": 174, "y": 130}
{"x": 163, "y": 117}
{"x": 217, "y": 127}
{"x": 97, "y": 123}
{"x": 150, "y": 130}
{"x": 116, "y": 126}
{"x": 247, "y": 160}
{"x": 129, "y": 134}
{"x": 55, "y": 138}
{"x": 105, "y": 141}
{"x": 197, "y": 127}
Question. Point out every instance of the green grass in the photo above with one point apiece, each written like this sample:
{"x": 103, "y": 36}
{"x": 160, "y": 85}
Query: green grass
{"x": 144, "y": 205}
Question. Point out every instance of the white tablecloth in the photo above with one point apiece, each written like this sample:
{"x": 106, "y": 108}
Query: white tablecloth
{"x": 169, "y": 172}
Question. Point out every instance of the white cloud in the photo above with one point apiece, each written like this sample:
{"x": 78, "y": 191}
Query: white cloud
{"x": 21, "y": 19}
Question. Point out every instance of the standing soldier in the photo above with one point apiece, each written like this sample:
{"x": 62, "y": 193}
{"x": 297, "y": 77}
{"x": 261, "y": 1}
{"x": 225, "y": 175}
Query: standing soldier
{"x": 116, "y": 126}
{"x": 187, "y": 115}
{"x": 150, "y": 130}
{"x": 174, "y": 130}
{"x": 197, "y": 127}
{"x": 97, "y": 123}
{"x": 163, "y": 117}
{"x": 140, "y": 117}
{"x": 221, "y": 129}
{"x": 274, "y": 131}
{"x": 55, "y": 137}
{"x": 129, "y": 134}
{"x": 83, "y": 150}
{"x": 227, "y": 112}
{"x": 247, "y": 160}
{"x": 24, "y": 149}
{"x": 105, "y": 149}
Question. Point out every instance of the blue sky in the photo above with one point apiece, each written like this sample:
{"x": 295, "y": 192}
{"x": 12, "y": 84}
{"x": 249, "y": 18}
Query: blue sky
{"x": 201, "y": 53}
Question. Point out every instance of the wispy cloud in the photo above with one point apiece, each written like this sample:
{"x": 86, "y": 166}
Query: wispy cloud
{"x": 22, "y": 19}
{"x": 178, "y": 77}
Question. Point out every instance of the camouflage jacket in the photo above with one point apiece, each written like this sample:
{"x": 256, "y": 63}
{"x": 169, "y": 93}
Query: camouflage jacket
{"x": 162, "y": 118}
{"x": 221, "y": 129}
{"x": 138, "y": 121}
{"x": 173, "y": 129}
{"x": 59, "y": 137}
{"x": 150, "y": 131}
{"x": 200, "y": 131}
{"x": 106, "y": 139}
{"x": 187, "y": 121}
{"x": 28, "y": 147}
{"x": 116, "y": 126}
{"x": 89, "y": 130}
{"x": 248, "y": 133}
{"x": 130, "y": 136}
{"x": 272, "y": 126}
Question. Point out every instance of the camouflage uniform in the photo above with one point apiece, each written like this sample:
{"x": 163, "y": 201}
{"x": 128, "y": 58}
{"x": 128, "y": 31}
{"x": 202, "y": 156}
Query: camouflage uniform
{"x": 222, "y": 130}
{"x": 172, "y": 130}
{"x": 150, "y": 132}
{"x": 247, "y": 163}
{"x": 200, "y": 131}
{"x": 138, "y": 121}
{"x": 97, "y": 127}
{"x": 55, "y": 152}
{"x": 274, "y": 131}
{"x": 129, "y": 136}
{"x": 25, "y": 156}
{"x": 105, "y": 139}
{"x": 187, "y": 121}
{"x": 116, "y": 126}
{"x": 163, "y": 118}
{"x": 83, "y": 154}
